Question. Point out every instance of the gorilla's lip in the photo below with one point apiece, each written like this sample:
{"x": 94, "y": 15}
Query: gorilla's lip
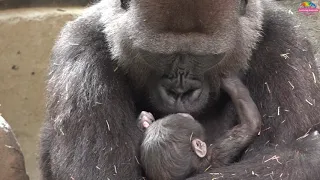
{"x": 172, "y": 105}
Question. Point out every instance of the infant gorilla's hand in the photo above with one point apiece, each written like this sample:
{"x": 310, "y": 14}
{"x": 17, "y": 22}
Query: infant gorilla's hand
{"x": 144, "y": 120}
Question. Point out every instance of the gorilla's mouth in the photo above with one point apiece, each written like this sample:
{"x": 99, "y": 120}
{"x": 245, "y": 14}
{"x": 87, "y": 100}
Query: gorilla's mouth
{"x": 171, "y": 101}
{"x": 173, "y": 97}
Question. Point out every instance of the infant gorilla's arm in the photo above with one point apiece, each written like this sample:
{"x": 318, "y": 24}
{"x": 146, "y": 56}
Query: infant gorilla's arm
{"x": 226, "y": 148}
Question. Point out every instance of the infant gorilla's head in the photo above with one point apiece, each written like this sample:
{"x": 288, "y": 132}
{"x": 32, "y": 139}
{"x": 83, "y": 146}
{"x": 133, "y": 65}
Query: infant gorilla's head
{"x": 172, "y": 147}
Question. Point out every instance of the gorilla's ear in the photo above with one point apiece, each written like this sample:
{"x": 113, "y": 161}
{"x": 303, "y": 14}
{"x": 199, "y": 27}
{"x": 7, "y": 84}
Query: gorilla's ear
{"x": 243, "y": 7}
{"x": 199, "y": 147}
{"x": 125, "y": 4}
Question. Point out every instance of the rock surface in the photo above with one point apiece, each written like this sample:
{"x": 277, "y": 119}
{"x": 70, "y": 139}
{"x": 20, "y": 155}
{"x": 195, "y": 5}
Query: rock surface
{"x": 12, "y": 166}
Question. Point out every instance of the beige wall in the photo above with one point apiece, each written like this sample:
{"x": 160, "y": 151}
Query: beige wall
{"x": 26, "y": 39}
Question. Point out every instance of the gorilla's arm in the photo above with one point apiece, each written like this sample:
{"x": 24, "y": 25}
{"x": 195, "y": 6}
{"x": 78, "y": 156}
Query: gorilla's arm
{"x": 286, "y": 91}
{"x": 277, "y": 162}
{"x": 90, "y": 132}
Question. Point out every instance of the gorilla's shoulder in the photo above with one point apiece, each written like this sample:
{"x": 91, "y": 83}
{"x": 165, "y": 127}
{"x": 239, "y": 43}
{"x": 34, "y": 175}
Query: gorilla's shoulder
{"x": 281, "y": 35}
{"x": 86, "y": 27}
{"x": 278, "y": 21}
{"x": 85, "y": 33}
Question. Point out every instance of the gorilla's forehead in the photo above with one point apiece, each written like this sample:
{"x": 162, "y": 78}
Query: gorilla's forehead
{"x": 139, "y": 28}
{"x": 168, "y": 26}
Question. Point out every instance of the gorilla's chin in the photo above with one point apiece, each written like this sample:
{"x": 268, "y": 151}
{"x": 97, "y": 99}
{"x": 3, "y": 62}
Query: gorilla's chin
{"x": 189, "y": 102}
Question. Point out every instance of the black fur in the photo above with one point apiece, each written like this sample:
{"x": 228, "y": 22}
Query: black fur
{"x": 91, "y": 133}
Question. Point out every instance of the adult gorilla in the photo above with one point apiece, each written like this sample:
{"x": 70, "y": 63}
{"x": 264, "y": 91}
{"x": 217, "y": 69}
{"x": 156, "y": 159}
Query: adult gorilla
{"x": 167, "y": 56}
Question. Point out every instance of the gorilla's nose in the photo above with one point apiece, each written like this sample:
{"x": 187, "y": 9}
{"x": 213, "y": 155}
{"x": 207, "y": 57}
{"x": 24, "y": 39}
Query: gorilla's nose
{"x": 180, "y": 89}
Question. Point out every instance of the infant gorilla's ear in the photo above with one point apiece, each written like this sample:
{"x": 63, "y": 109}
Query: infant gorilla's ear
{"x": 199, "y": 147}
{"x": 144, "y": 120}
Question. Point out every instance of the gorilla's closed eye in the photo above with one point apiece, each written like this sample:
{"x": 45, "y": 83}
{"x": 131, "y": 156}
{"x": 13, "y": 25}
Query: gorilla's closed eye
{"x": 191, "y": 61}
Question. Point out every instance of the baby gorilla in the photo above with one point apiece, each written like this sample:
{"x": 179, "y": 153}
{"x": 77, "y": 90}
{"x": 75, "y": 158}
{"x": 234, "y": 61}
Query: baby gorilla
{"x": 173, "y": 147}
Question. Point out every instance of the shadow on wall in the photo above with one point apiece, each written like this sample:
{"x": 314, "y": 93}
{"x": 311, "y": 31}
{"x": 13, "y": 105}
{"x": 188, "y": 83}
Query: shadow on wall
{"x": 8, "y": 4}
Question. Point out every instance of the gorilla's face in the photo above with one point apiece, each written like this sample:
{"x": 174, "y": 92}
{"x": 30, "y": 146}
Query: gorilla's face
{"x": 176, "y": 50}
{"x": 178, "y": 82}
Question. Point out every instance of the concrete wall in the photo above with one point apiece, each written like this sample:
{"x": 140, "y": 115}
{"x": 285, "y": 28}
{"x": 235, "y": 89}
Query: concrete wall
{"x": 6, "y": 4}
{"x": 26, "y": 39}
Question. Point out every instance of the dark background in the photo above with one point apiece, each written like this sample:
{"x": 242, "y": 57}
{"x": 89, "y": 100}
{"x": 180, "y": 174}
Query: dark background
{"x": 6, "y": 4}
